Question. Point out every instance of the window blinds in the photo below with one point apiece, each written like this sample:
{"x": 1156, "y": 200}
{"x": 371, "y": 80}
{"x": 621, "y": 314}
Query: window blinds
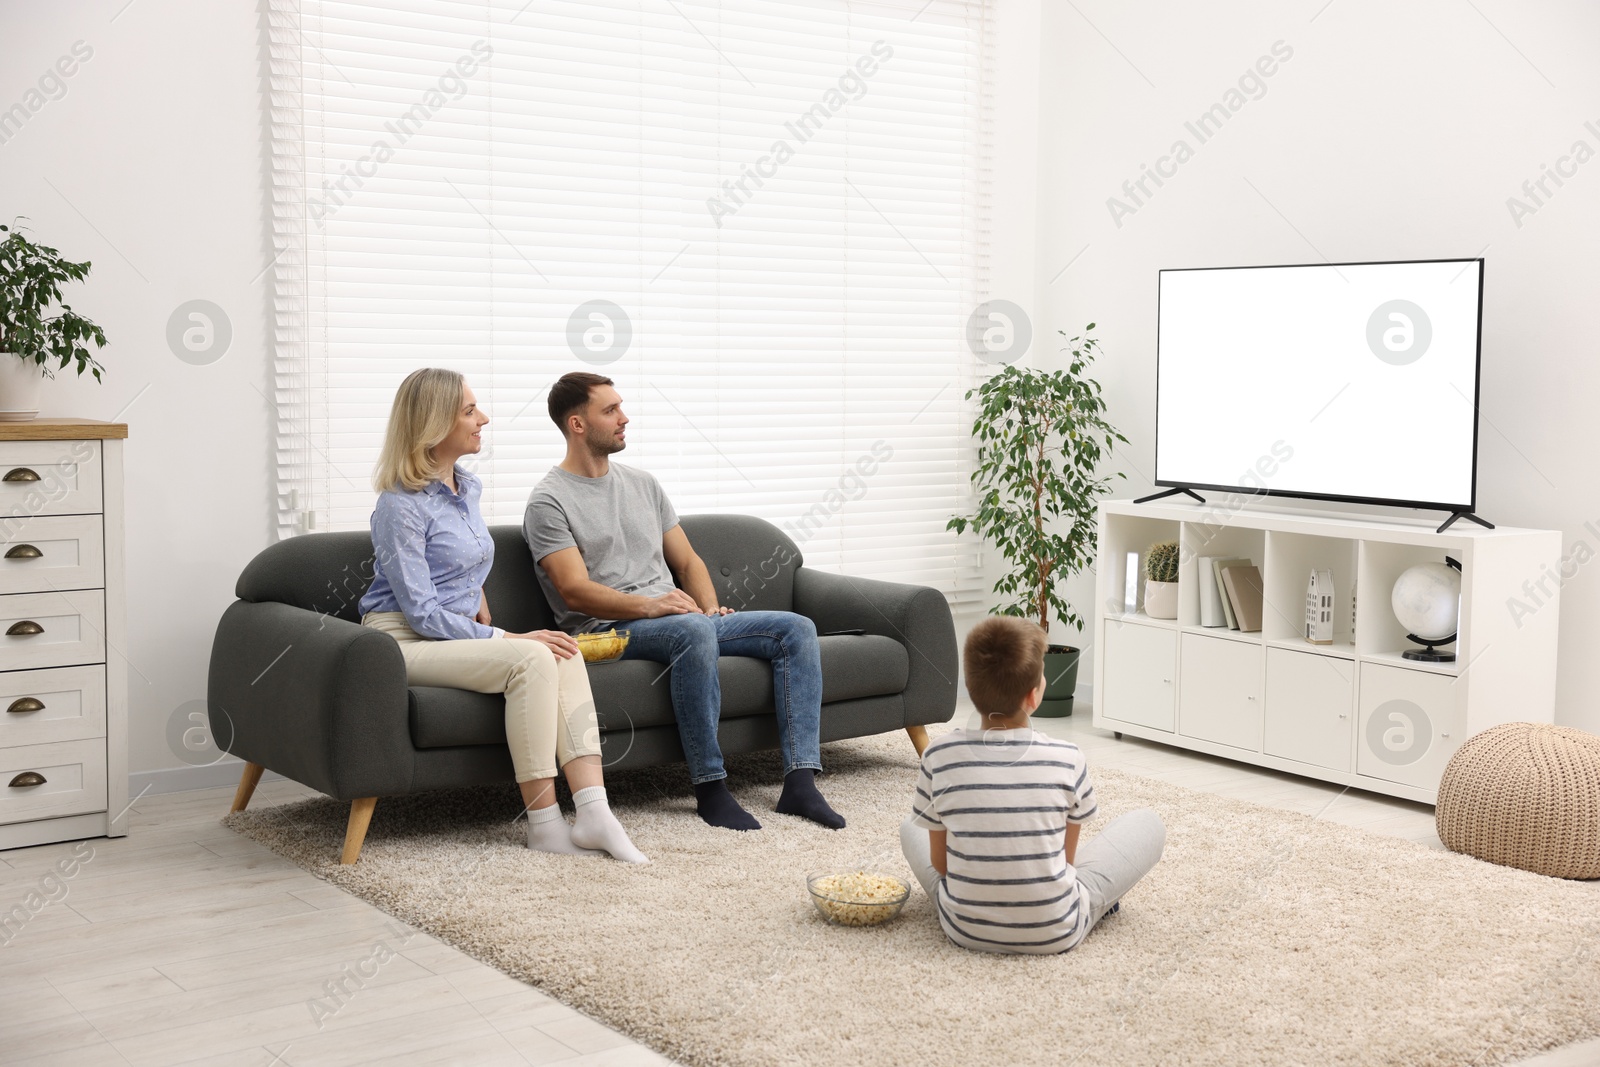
{"x": 764, "y": 219}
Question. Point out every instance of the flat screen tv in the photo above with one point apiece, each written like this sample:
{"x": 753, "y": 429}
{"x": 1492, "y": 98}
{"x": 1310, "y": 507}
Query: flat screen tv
{"x": 1329, "y": 381}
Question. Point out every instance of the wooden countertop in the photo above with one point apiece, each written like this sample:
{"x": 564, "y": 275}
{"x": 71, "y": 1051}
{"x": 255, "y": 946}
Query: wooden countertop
{"x": 61, "y": 429}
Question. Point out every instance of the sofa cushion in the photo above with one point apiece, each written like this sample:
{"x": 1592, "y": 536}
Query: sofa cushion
{"x": 752, "y": 563}
{"x": 636, "y": 693}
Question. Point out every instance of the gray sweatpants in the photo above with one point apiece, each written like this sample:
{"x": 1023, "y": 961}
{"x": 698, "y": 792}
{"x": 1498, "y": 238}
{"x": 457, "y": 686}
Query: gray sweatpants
{"x": 1108, "y": 864}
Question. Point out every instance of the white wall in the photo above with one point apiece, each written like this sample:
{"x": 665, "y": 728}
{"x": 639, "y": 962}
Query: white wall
{"x": 1392, "y": 132}
{"x": 149, "y": 165}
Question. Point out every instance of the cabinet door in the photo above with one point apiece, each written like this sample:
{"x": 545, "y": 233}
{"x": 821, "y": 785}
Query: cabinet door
{"x": 1310, "y": 704}
{"x": 1410, "y": 725}
{"x": 1219, "y": 697}
{"x": 1140, "y": 663}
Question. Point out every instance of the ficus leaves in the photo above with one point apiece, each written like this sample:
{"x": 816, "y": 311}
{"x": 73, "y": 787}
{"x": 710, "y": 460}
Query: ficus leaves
{"x": 1041, "y": 437}
{"x": 34, "y": 322}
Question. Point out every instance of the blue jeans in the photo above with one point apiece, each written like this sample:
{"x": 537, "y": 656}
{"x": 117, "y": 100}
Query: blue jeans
{"x": 690, "y": 645}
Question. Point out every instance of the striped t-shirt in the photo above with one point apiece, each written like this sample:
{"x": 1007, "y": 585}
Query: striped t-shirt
{"x": 1004, "y": 799}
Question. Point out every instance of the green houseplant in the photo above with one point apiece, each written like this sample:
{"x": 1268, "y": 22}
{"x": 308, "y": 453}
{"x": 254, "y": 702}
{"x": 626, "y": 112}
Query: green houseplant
{"x": 36, "y": 327}
{"x": 1041, "y": 438}
{"x": 1161, "y": 580}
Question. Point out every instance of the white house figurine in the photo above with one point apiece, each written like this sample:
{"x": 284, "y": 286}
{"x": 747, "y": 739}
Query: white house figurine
{"x": 1319, "y": 608}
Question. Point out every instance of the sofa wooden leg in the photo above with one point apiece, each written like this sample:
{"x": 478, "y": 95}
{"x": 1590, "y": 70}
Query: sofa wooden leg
{"x": 919, "y": 738}
{"x": 247, "y": 786}
{"x": 356, "y": 831}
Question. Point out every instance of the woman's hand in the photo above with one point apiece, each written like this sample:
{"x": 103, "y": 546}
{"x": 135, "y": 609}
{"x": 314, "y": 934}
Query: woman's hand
{"x": 483, "y": 608}
{"x": 561, "y": 644}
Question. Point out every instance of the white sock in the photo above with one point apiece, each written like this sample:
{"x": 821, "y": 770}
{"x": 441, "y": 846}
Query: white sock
{"x": 596, "y": 827}
{"x": 548, "y": 832}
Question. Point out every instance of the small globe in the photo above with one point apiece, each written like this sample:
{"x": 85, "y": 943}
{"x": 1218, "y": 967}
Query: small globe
{"x": 1427, "y": 600}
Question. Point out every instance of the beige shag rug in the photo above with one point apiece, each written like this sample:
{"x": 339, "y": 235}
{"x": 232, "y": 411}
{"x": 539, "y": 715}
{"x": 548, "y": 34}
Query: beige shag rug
{"x": 1262, "y": 938}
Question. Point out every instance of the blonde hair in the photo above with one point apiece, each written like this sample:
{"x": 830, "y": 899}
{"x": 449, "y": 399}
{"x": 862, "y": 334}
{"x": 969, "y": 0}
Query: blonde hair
{"x": 1003, "y": 661}
{"x": 425, "y": 409}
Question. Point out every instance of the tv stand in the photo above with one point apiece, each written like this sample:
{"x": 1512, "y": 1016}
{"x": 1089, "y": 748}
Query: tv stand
{"x": 1170, "y": 492}
{"x": 1357, "y": 711}
{"x": 1454, "y": 515}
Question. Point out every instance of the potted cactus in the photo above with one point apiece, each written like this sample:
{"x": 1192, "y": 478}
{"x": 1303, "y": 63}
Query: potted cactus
{"x": 1041, "y": 438}
{"x": 1161, "y": 580}
{"x": 36, "y": 328}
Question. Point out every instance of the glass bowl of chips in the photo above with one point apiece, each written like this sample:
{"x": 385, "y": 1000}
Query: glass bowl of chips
{"x": 857, "y": 898}
{"x": 602, "y": 647}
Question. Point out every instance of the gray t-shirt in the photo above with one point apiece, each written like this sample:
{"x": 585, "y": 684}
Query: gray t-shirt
{"x": 615, "y": 521}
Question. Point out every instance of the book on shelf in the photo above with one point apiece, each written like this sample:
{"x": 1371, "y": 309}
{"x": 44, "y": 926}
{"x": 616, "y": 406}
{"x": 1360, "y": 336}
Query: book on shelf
{"x": 1218, "y": 565}
{"x": 1243, "y": 585}
{"x": 1210, "y": 595}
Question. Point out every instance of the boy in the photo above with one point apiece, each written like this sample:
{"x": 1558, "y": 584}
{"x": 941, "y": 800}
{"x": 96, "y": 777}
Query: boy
{"x": 994, "y": 837}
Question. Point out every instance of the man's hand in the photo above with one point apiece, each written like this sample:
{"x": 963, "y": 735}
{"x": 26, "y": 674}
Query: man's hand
{"x": 722, "y": 611}
{"x": 483, "y": 608}
{"x": 676, "y": 602}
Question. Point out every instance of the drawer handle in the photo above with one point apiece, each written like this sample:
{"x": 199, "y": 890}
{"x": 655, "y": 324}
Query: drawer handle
{"x": 23, "y": 552}
{"x": 27, "y": 778}
{"x": 25, "y": 628}
{"x": 23, "y": 705}
{"x": 21, "y": 474}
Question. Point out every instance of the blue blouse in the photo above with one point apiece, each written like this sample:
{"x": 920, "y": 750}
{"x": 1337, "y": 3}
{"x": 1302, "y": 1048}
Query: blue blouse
{"x": 432, "y": 552}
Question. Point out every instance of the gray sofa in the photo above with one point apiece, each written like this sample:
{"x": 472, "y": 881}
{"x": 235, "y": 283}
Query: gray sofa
{"x": 299, "y": 687}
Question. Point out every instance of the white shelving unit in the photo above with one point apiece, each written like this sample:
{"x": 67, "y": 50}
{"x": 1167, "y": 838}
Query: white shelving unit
{"x": 1355, "y": 712}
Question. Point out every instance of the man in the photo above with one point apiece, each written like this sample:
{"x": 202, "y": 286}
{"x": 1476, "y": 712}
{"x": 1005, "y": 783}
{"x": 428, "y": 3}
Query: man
{"x": 608, "y": 547}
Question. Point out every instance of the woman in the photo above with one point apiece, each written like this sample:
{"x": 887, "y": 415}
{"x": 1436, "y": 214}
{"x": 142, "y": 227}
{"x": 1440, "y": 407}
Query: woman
{"x": 433, "y": 552}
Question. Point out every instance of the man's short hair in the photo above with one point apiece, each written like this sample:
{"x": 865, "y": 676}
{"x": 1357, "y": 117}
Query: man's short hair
{"x": 1003, "y": 661}
{"x": 570, "y": 395}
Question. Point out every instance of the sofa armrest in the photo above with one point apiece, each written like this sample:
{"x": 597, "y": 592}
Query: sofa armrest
{"x": 313, "y": 697}
{"x": 918, "y": 616}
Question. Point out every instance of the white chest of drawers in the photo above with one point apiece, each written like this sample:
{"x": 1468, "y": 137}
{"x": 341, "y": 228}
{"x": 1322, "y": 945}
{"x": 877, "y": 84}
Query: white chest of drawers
{"x": 63, "y": 632}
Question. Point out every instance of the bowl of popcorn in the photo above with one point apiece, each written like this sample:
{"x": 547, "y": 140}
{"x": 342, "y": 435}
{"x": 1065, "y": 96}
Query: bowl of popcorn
{"x": 602, "y": 647}
{"x": 858, "y": 898}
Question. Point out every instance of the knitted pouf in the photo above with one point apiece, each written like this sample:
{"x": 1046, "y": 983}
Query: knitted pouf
{"x": 1525, "y": 795}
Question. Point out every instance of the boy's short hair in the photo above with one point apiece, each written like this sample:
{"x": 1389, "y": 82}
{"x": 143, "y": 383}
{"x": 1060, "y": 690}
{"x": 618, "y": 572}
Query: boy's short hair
{"x": 1003, "y": 661}
{"x": 570, "y": 395}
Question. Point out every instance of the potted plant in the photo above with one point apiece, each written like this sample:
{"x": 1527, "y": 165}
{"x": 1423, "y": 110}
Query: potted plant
{"x": 1041, "y": 437}
{"x": 36, "y": 328}
{"x": 1161, "y": 580}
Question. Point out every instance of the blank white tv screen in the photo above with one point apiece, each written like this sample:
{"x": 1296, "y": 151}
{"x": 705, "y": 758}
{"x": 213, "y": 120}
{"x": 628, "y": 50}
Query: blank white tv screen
{"x": 1351, "y": 381}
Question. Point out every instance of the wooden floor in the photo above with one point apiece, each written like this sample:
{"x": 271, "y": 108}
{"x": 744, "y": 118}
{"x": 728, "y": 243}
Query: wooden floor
{"x": 185, "y": 943}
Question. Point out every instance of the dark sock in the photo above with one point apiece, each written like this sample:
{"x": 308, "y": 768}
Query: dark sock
{"x": 800, "y": 797}
{"x": 717, "y": 807}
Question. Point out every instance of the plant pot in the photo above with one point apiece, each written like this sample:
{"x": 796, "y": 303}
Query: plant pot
{"x": 19, "y": 388}
{"x": 1161, "y": 599}
{"x": 1060, "y": 681}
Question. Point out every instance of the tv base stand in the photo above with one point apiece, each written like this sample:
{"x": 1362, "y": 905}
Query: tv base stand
{"x": 1454, "y": 515}
{"x": 1170, "y": 492}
